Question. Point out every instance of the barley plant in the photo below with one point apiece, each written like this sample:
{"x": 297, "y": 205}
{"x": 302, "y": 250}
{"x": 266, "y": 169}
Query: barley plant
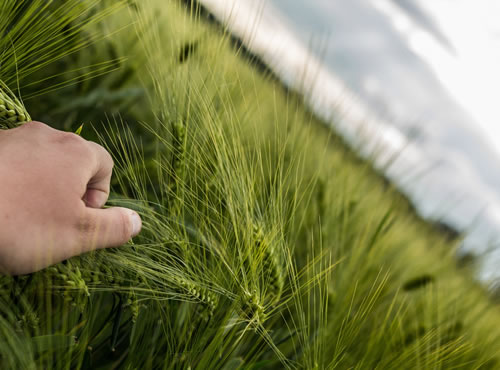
{"x": 12, "y": 111}
{"x": 266, "y": 242}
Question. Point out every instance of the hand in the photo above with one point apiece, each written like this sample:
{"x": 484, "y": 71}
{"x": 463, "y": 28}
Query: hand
{"x": 53, "y": 186}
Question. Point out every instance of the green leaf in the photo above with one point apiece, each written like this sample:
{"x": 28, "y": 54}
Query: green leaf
{"x": 46, "y": 343}
{"x": 234, "y": 364}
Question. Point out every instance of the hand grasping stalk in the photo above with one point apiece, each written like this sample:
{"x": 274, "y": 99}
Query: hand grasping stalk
{"x": 53, "y": 186}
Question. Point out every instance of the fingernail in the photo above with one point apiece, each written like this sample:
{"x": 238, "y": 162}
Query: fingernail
{"x": 135, "y": 219}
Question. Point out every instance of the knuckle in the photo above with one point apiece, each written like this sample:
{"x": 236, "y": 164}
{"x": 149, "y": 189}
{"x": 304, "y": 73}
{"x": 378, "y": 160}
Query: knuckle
{"x": 104, "y": 154}
{"x": 73, "y": 143}
{"x": 34, "y": 124}
{"x": 69, "y": 138}
{"x": 109, "y": 158}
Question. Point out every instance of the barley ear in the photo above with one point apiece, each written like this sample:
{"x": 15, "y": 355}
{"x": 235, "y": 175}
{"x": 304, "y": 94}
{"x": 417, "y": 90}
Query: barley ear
{"x": 12, "y": 111}
{"x": 198, "y": 294}
{"x": 71, "y": 282}
{"x": 272, "y": 267}
{"x": 252, "y": 308}
{"x": 177, "y": 162}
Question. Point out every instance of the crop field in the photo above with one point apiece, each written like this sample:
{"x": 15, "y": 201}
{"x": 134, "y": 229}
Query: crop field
{"x": 267, "y": 243}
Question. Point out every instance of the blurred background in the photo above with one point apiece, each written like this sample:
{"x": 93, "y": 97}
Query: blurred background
{"x": 411, "y": 84}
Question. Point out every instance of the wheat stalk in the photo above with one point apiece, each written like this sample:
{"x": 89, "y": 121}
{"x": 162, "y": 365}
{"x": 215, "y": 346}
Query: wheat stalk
{"x": 12, "y": 111}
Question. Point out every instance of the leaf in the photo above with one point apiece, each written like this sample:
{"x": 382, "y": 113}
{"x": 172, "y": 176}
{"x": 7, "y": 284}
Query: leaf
{"x": 46, "y": 343}
{"x": 234, "y": 364}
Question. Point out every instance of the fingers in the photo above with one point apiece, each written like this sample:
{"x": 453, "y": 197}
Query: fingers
{"x": 93, "y": 160}
{"x": 110, "y": 227}
{"x": 98, "y": 186}
{"x": 95, "y": 198}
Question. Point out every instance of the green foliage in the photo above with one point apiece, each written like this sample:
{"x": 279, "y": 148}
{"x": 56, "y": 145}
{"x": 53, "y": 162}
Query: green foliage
{"x": 266, "y": 243}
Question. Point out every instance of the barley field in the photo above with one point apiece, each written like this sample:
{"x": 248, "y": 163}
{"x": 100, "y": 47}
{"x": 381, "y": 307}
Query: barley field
{"x": 267, "y": 243}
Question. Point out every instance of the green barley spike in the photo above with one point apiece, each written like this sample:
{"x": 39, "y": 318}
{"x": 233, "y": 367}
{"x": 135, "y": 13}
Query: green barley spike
{"x": 252, "y": 308}
{"x": 74, "y": 287}
{"x": 271, "y": 266}
{"x": 12, "y": 111}
{"x": 199, "y": 294}
{"x": 29, "y": 319}
{"x": 178, "y": 155}
{"x": 133, "y": 304}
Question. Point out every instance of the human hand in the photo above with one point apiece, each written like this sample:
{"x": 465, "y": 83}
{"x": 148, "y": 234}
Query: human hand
{"x": 53, "y": 186}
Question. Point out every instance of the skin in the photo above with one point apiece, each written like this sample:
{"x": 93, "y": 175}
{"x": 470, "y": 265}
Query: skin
{"x": 53, "y": 186}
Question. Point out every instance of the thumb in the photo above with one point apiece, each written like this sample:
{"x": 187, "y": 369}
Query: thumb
{"x": 109, "y": 227}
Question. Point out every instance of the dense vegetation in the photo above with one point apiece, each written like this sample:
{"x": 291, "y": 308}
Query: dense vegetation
{"x": 266, "y": 242}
